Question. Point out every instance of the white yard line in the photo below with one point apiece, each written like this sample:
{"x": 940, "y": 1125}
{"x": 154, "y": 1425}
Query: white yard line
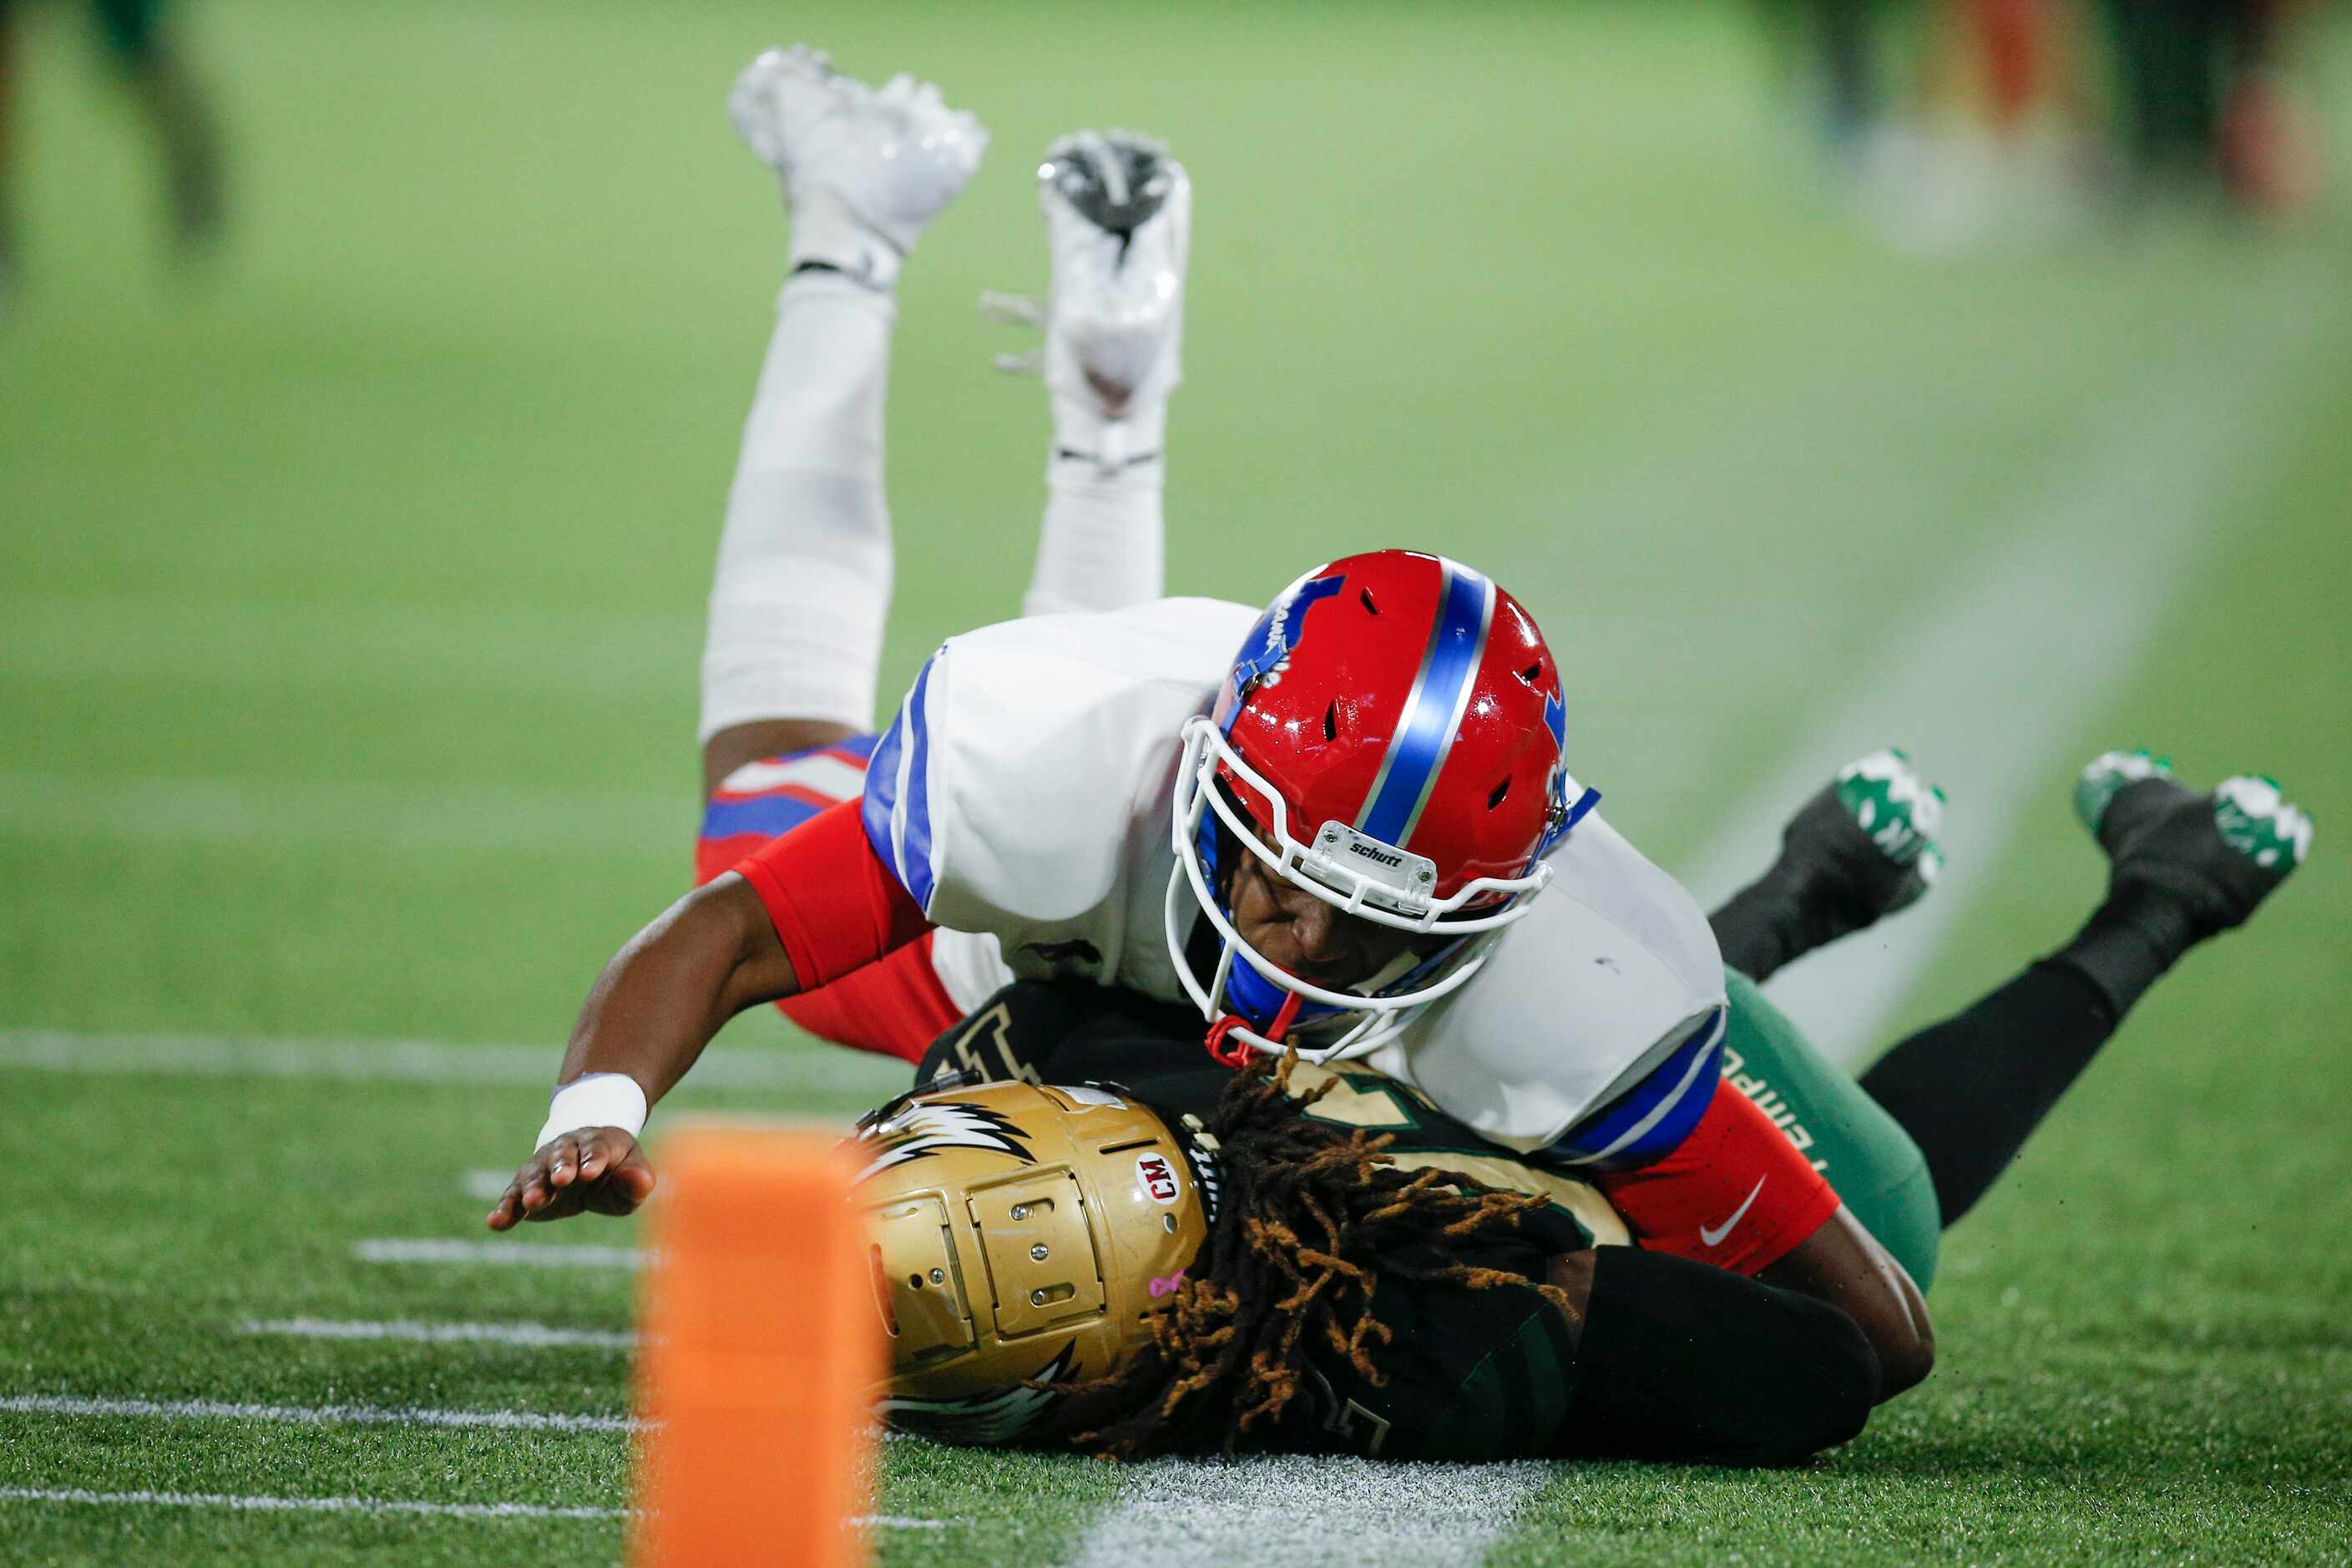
{"x": 384, "y": 1505}
{"x": 1304, "y": 1512}
{"x": 302, "y": 1504}
{"x": 532, "y": 1336}
{"x": 314, "y": 1414}
{"x": 831, "y": 1071}
{"x": 1993, "y": 690}
{"x": 508, "y": 1254}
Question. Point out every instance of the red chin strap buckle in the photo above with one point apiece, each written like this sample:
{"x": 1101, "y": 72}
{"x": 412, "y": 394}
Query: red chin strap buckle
{"x": 1234, "y": 1055}
{"x": 1225, "y": 1051}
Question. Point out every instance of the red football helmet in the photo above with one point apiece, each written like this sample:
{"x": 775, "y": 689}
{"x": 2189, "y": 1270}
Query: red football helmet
{"x": 1390, "y": 739}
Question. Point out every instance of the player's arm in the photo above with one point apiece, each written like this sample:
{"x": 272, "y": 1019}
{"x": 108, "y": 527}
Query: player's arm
{"x": 1733, "y": 1192}
{"x": 805, "y": 910}
{"x": 1679, "y": 1362}
{"x": 656, "y": 1004}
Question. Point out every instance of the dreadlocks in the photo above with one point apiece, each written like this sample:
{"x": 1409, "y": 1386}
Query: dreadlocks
{"x": 1313, "y": 1216}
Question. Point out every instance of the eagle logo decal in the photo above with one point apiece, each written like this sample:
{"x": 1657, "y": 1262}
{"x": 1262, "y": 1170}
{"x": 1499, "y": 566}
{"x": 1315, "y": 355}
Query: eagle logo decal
{"x": 927, "y": 1126}
{"x": 996, "y": 1416}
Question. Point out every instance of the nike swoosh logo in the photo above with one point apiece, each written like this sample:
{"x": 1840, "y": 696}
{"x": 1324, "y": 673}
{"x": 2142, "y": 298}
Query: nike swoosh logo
{"x": 1713, "y": 1236}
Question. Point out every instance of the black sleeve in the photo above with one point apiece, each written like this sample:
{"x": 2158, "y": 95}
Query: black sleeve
{"x": 1051, "y": 1031}
{"x": 1679, "y": 1361}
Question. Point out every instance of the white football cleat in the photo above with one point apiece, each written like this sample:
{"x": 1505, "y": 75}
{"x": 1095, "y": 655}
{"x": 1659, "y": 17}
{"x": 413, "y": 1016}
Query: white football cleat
{"x": 864, "y": 168}
{"x": 1118, "y": 224}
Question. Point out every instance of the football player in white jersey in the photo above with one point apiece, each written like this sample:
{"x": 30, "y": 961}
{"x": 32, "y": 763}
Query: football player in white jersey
{"x": 1343, "y": 822}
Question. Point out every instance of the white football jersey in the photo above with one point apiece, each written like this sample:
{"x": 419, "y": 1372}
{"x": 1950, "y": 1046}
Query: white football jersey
{"x": 1024, "y": 792}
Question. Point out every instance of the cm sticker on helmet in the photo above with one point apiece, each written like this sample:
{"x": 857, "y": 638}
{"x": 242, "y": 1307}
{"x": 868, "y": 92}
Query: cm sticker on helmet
{"x": 1157, "y": 1178}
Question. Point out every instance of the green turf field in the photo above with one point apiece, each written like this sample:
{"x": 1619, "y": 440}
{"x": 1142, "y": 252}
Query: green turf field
{"x": 349, "y": 605}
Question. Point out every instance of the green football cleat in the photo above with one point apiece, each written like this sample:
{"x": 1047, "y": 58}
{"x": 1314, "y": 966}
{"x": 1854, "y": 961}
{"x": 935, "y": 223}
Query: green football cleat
{"x": 1864, "y": 844}
{"x": 1861, "y": 848}
{"x": 1897, "y": 814}
{"x": 2220, "y": 854}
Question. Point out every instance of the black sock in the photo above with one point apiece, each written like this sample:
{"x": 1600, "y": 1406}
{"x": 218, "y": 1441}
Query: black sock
{"x": 2132, "y": 939}
{"x": 1782, "y": 916}
{"x": 1972, "y": 1088}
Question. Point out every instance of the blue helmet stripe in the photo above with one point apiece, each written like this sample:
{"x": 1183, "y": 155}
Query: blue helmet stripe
{"x": 1433, "y": 713}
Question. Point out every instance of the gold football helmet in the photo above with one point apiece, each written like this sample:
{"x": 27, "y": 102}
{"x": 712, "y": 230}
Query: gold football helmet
{"x": 1020, "y": 1235}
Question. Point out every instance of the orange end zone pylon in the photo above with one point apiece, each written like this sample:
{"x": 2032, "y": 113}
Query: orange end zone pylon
{"x": 761, "y": 1348}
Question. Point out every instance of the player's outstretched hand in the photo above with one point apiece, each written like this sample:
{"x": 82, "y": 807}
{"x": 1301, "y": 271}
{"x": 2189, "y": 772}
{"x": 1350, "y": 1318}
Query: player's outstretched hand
{"x": 596, "y": 1169}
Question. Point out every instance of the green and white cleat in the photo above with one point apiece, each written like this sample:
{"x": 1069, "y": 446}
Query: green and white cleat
{"x": 2221, "y": 852}
{"x": 1899, "y": 813}
{"x": 1864, "y": 845}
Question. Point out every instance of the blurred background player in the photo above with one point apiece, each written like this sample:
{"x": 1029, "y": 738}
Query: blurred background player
{"x": 2203, "y": 93}
{"x": 169, "y": 96}
{"x": 1966, "y": 120}
{"x": 804, "y": 578}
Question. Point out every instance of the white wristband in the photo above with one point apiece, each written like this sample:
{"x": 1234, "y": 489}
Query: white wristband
{"x": 599, "y": 1100}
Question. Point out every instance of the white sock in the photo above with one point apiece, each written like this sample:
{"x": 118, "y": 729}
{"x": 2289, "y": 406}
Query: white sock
{"x": 804, "y": 577}
{"x": 1103, "y": 543}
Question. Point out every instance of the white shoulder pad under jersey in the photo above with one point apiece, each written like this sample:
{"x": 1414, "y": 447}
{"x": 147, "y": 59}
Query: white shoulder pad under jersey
{"x": 1608, "y": 994}
{"x": 1022, "y": 789}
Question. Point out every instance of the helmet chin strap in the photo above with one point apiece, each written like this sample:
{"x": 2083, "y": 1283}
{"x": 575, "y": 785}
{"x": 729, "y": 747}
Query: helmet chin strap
{"x": 1235, "y": 1055}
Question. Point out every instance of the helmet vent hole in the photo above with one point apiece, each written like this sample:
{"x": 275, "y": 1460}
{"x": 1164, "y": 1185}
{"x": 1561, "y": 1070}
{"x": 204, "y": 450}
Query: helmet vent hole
{"x": 1531, "y": 672}
{"x": 1365, "y": 594}
{"x": 1501, "y": 790}
{"x": 1331, "y": 720}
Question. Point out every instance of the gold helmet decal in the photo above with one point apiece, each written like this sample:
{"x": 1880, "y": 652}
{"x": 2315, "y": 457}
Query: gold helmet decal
{"x": 1019, "y": 1237}
{"x": 923, "y": 1128}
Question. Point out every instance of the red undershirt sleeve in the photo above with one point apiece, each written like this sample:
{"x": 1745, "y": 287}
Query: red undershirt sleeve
{"x": 836, "y": 907}
{"x": 1735, "y": 1193}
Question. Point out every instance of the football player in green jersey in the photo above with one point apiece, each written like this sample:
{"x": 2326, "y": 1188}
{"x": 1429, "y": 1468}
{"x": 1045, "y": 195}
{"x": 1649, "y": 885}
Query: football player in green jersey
{"x": 1363, "y": 1273}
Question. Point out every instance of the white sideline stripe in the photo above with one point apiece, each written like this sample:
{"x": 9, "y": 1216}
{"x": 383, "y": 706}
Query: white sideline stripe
{"x": 303, "y": 1504}
{"x": 831, "y": 1071}
{"x": 2002, "y": 677}
{"x": 316, "y": 1414}
{"x": 380, "y": 1505}
{"x": 516, "y": 1254}
{"x": 1304, "y": 1512}
{"x": 536, "y": 1336}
